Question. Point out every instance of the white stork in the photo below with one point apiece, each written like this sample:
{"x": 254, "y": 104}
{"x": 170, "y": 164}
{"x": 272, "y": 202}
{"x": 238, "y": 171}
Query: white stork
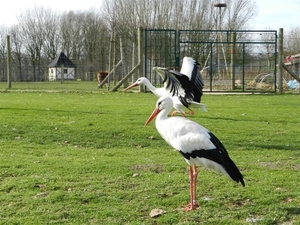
{"x": 196, "y": 144}
{"x": 184, "y": 87}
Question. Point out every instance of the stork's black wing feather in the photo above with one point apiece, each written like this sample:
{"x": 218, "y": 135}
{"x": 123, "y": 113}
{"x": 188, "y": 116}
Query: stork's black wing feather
{"x": 197, "y": 83}
{"x": 192, "y": 82}
{"x": 219, "y": 155}
{"x": 188, "y": 87}
{"x": 171, "y": 83}
{"x": 185, "y": 84}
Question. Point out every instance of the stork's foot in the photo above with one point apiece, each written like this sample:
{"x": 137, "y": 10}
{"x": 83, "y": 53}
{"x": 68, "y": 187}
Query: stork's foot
{"x": 191, "y": 206}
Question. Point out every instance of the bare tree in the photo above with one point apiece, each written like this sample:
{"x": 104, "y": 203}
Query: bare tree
{"x": 32, "y": 24}
{"x": 239, "y": 13}
{"x": 3, "y": 35}
{"x": 177, "y": 14}
{"x": 17, "y": 51}
{"x": 52, "y": 41}
{"x": 72, "y": 33}
{"x": 96, "y": 36}
{"x": 292, "y": 41}
{"x": 85, "y": 35}
{"x": 268, "y": 48}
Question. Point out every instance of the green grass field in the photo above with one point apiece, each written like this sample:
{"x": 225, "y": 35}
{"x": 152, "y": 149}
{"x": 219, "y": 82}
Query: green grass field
{"x": 74, "y": 154}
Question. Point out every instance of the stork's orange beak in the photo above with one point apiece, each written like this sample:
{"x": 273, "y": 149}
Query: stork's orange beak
{"x": 131, "y": 86}
{"x": 152, "y": 116}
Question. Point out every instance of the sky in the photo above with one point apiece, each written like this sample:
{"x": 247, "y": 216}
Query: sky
{"x": 11, "y": 8}
{"x": 273, "y": 14}
{"x": 277, "y": 14}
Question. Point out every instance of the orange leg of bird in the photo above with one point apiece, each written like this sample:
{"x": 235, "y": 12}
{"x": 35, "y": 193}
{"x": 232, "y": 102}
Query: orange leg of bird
{"x": 193, "y": 180}
{"x": 191, "y": 112}
{"x": 174, "y": 113}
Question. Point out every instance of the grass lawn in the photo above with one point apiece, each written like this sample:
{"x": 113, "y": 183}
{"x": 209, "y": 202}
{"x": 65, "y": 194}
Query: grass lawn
{"x": 81, "y": 155}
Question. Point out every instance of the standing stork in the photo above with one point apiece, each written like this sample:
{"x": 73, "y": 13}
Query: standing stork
{"x": 184, "y": 87}
{"x": 196, "y": 144}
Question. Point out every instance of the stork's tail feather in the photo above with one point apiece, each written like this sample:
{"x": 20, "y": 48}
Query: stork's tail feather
{"x": 224, "y": 160}
{"x": 234, "y": 172}
{"x": 198, "y": 105}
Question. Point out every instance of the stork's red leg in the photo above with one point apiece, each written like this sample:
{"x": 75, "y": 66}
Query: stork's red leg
{"x": 190, "y": 205}
{"x": 174, "y": 113}
{"x": 191, "y": 112}
{"x": 193, "y": 180}
{"x": 195, "y": 174}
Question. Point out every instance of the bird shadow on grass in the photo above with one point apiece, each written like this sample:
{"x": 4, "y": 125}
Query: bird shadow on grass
{"x": 276, "y": 147}
{"x": 243, "y": 119}
{"x": 292, "y": 210}
{"x": 42, "y": 110}
{"x": 59, "y": 111}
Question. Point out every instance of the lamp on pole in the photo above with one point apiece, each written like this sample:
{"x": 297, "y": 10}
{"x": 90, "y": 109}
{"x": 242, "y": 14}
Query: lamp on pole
{"x": 219, "y": 35}
{"x": 220, "y": 6}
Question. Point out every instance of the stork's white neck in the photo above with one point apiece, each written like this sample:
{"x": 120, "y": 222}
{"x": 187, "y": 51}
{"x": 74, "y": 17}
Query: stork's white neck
{"x": 147, "y": 83}
{"x": 161, "y": 117}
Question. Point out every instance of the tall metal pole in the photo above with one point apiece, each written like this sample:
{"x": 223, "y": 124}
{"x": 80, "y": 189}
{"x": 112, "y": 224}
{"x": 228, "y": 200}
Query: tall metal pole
{"x": 8, "y": 62}
{"x": 219, "y": 38}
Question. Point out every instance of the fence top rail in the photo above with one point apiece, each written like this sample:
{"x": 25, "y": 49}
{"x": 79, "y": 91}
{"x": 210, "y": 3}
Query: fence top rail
{"x": 228, "y": 42}
{"x": 233, "y": 31}
{"x": 208, "y": 36}
{"x": 200, "y": 30}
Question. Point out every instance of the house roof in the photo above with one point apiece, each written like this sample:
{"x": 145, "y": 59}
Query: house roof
{"x": 62, "y": 59}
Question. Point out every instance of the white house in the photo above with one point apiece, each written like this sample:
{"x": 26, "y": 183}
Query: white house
{"x": 62, "y": 62}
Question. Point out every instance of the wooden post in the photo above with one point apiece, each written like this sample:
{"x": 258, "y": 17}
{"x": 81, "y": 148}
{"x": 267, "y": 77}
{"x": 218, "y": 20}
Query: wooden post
{"x": 109, "y": 58}
{"x": 114, "y": 59}
{"x": 115, "y": 88}
{"x": 106, "y": 79}
{"x": 291, "y": 73}
{"x": 8, "y": 62}
{"x": 135, "y": 68}
{"x": 124, "y": 65}
{"x": 280, "y": 61}
{"x": 62, "y": 74}
{"x": 133, "y": 60}
{"x": 140, "y": 56}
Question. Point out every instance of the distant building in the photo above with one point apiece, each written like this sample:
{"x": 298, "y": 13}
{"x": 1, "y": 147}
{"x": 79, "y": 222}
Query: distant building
{"x": 55, "y": 68}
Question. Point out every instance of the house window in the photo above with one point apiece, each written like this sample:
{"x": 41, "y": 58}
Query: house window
{"x": 51, "y": 70}
{"x": 65, "y": 70}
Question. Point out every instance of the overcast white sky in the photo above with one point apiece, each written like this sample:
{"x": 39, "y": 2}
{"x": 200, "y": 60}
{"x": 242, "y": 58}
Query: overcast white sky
{"x": 11, "y": 8}
{"x": 277, "y": 14}
{"x": 273, "y": 14}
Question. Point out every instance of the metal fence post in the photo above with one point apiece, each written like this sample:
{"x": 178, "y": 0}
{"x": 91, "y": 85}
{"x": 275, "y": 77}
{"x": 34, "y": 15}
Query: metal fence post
{"x": 233, "y": 40}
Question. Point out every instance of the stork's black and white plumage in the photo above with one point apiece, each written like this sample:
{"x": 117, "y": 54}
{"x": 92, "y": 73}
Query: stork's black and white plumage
{"x": 184, "y": 87}
{"x": 196, "y": 144}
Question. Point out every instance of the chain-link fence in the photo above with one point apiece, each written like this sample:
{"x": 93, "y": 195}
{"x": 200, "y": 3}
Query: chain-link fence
{"x": 241, "y": 60}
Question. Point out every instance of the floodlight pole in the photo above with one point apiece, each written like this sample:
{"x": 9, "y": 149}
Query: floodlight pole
{"x": 8, "y": 62}
{"x": 220, "y": 6}
{"x": 219, "y": 21}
